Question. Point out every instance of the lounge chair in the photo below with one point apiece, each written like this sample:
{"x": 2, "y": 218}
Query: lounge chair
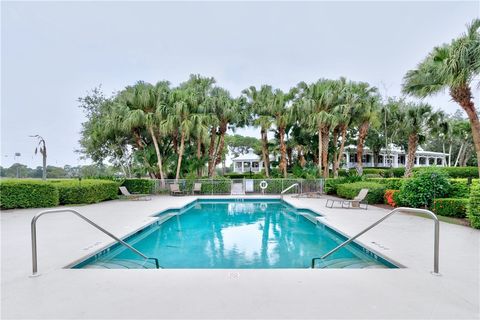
{"x": 354, "y": 203}
{"x": 175, "y": 190}
{"x": 134, "y": 196}
{"x": 197, "y": 188}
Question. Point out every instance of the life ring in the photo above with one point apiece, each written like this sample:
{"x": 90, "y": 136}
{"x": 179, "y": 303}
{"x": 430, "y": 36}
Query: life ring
{"x": 263, "y": 185}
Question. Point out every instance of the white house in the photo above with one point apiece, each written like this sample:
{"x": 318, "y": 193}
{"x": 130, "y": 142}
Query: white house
{"x": 395, "y": 157}
{"x": 249, "y": 162}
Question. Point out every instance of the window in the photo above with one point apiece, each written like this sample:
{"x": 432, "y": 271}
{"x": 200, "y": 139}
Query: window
{"x": 254, "y": 164}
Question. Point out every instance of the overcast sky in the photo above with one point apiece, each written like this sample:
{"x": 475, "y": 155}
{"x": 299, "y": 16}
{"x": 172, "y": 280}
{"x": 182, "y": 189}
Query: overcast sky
{"x": 52, "y": 53}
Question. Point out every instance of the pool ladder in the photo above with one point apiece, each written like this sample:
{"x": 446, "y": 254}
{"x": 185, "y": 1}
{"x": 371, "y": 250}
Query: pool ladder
{"x": 34, "y": 237}
{"x": 401, "y": 209}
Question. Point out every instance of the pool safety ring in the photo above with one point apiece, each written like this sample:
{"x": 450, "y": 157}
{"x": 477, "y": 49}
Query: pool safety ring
{"x": 263, "y": 185}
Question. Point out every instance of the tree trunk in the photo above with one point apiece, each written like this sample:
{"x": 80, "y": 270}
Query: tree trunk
{"x": 301, "y": 157}
{"x": 265, "y": 153}
{"x": 221, "y": 144}
{"x": 175, "y": 140}
{"x": 180, "y": 156}
{"x": 335, "y": 151}
{"x": 211, "y": 149}
{"x": 450, "y": 155}
{"x": 340, "y": 152}
{"x": 412, "y": 148}
{"x": 44, "y": 162}
{"x": 320, "y": 150}
{"x": 463, "y": 96}
{"x": 362, "y": 135}
{"x": 325, "y": 141}
{"x": 283, "y": 152}
{"x": 458, "y": 154}
{"x": 199, "y": 156}
{"x": 159, "y": 156}
{"x": 140, "y": 146}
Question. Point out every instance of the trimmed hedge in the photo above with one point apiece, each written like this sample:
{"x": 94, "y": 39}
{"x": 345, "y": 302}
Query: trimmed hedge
{"x": 86, "y": 191}
{"x": 473, "y": 211}
{"x": 450, "y": 207}
{"x": 376, "y": 191}
{"x": 27, "y": 194}
{"x": 144, "y": 186}
{"x": 390, "y": 183}
{"x": 217, "y": 186}
{"x": 459, "y": 188}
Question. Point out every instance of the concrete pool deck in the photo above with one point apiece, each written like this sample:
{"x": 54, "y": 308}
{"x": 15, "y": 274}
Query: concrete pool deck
{"x": 411, "y": 292}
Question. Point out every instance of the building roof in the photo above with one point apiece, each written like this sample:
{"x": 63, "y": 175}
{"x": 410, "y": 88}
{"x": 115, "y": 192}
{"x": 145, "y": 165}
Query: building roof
{"x": 250, "y": 156}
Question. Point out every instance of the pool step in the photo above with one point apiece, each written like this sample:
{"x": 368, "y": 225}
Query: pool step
{"x": 350, "y": 263}
{"x": 121, "y": 264}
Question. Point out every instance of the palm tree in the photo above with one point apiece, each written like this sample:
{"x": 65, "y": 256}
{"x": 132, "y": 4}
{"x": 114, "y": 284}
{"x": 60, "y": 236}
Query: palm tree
{"x": 278, "y": 108}
{"x": 417, "y": 120}
{"x": 224, "y": 110}
{"x": 365, "y": 114}
{"x": 42, "y": 148}
{"x": 453, "y": 66}
{"x": 145, "y": 103}
{"x": 316, "y": 102}
{"x": 257, "y": 101}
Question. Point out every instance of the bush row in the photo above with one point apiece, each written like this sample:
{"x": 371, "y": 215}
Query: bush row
{"x": 473, "y": 212}
{"x": 453, "y": 172}
{"x": 27, "y": 194}
{"x": 145, "y": 186}
{"x": 41, "y": 194}
{"x": 376, "y": 191}
{"x": 450, "y": 207}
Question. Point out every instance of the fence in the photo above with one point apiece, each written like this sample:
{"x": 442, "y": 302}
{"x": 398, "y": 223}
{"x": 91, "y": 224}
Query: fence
{"x": 240, "y": 186}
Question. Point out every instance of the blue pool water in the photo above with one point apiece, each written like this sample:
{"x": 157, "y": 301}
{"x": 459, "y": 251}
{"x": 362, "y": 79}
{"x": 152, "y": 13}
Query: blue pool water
{"x": 236, "y": 234}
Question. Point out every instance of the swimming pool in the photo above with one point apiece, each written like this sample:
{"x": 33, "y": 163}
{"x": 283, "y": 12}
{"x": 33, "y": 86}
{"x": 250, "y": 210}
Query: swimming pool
{"x": 236, "y": 233}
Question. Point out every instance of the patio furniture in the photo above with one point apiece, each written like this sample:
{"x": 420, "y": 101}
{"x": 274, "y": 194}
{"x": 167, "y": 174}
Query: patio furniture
{"x": 354, "y": 203}
{"x": 134, "y": 196}
{"x": 175, "y": 190}
{"x": 197, "y": 188}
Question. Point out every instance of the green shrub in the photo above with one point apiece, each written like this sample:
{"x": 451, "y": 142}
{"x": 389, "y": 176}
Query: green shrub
{"x": 27, "y": 194}
{"x": 376, "y": 191}
{"x": 426, "y": 185}
{"x": 376, "y": 171}
{"x": 459, "y": 188}
{"x": 450, "y": 207}
{"x": 461, "y": 172}
{"x": 397, "y": 172}
{"x": 332, "y": 184}
{"x": 86, "y": 191}
{"x": 219, "y": 185}
{"x": 473, "y": 211}
{"x": 390, "y": 183}
{"x": 145, "y": 186}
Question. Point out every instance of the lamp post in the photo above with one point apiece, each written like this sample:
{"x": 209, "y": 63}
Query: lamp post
{"x": 15, "y": 156}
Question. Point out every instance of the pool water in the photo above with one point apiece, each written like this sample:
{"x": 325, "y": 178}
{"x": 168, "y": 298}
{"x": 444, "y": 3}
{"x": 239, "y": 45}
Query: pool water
{"x": 236, "y": 233}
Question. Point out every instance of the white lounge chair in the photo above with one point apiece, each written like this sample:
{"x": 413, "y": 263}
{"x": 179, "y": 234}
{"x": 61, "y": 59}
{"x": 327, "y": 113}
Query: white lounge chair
{"x": 134, "y": 196}
{"x": 175, "y": 190}
{"x": 197, "y": 188}
{"x": 356, "y": 202}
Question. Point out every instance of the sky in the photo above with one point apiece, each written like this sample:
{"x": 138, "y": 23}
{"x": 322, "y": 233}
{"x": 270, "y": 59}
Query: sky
{"x": 54, "y": 52}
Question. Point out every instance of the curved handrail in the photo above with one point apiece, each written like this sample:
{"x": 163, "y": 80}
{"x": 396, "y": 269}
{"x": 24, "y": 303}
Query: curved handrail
{"x": 286, "y": 189}
{"x": 34, "y": 236}
{"x": 414, "y": 210}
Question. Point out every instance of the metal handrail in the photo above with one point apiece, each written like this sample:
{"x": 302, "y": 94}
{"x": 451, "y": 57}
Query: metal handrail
{"x": 286, "y": 189}
{"x": 413, "y": 210}
{"x": 34, "y": 236}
